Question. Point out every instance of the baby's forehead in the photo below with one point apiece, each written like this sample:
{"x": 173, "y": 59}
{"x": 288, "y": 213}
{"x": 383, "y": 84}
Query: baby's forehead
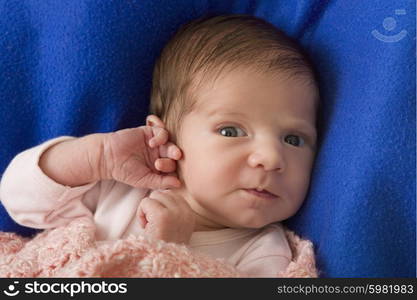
{"x": 229, "y": 89}
{"x": 248, "y": 97}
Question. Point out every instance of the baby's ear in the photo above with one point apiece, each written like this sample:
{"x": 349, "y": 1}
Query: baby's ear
{"x": 154, "y": 121}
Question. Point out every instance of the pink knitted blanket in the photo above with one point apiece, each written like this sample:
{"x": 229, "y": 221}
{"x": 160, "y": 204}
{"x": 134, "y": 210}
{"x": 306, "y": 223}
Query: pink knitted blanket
{"x": 72, "y": 251}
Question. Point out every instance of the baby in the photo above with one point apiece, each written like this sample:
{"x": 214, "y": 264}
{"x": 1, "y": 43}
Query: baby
{"x": 225, "y": 156}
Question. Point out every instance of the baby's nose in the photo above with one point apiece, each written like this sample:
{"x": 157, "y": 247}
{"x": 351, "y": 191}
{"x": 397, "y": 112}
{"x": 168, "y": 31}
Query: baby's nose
{"x": 267, "y": 155}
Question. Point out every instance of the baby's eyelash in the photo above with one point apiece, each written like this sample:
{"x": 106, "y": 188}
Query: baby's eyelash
{"x": 306, "y": 137}
{"x": 231, "y": 131}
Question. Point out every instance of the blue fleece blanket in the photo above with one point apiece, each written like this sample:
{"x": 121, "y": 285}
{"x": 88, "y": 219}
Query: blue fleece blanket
{"x": 73, "y": 67}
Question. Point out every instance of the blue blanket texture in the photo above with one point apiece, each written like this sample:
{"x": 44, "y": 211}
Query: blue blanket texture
{"x": 74, "y": 67}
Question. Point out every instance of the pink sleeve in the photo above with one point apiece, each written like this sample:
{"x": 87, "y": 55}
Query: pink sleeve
{"x": 268, "y": 255}
{"x": 34, "y": 200}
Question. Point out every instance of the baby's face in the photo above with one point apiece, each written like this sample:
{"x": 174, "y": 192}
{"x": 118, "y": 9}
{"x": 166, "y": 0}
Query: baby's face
{"x": 248, "y": 148}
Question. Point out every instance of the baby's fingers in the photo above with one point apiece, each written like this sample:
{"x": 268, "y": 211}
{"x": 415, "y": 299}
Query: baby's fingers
{"x": 160, "y": 137}
{"x": 165, "y": 165}
{"x": 142, "y": 217}
{"x": 170, "y": 150}
{"x": 160, "y": 181}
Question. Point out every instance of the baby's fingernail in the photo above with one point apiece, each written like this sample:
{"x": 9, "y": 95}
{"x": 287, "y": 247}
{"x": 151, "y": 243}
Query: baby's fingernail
{"x": 158, "y": 165}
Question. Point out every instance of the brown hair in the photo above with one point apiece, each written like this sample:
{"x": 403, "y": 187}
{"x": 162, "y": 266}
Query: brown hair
{"x": 208, "y": 47}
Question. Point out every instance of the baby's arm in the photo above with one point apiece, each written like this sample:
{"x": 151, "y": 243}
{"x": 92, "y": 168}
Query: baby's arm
{"x": 74, "y": 162}
{"x": 47, "y": 185}
{"x": 136, "y": 156}
{"x": 33, "y": 199}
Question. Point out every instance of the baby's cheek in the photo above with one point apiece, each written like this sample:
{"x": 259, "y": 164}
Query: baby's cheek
{"x": 208, "y": 175}
{"x": 210, "y": 170}
{"x": 222, "y": 180}
{"x": 298, "y": 189}
{"x": 203, "y": 177}
{"x": 194, "y": 171}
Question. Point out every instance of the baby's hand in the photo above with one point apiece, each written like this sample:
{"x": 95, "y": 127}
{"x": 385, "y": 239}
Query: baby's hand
{"x": 165, "y": 215}
{"x": 141, "y": 157}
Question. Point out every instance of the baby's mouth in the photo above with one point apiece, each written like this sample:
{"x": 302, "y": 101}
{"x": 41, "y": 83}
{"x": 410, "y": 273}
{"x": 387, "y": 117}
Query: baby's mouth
{"x": 261, "y": 193}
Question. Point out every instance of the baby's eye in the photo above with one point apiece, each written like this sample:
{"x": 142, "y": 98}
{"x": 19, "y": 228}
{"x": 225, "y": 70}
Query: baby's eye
{"x": 294, "y": 140}
{"x": 231, "y": 131}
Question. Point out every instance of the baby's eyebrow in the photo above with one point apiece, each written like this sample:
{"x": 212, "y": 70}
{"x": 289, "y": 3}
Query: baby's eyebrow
{"x": 216, "y": 112}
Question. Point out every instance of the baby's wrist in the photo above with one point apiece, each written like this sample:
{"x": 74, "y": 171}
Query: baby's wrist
{"x": 69, "y": 162}
{"x": 94, "y": 145}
